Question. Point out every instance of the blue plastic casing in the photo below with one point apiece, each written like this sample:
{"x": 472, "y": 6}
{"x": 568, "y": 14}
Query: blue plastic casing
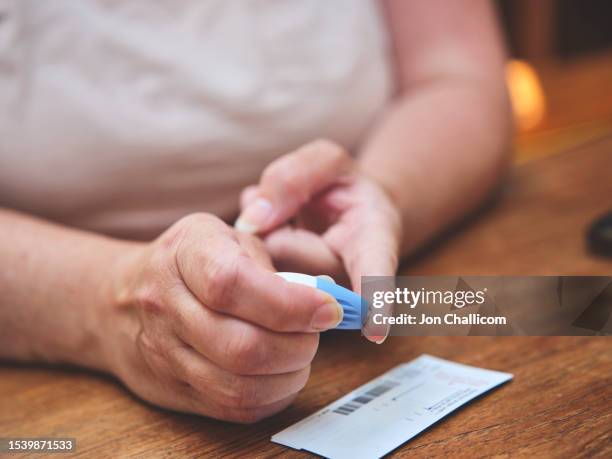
{"x": 354, "y": 306}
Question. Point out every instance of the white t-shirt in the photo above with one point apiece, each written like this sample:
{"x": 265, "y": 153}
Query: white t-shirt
{"x": 124, "y": 115}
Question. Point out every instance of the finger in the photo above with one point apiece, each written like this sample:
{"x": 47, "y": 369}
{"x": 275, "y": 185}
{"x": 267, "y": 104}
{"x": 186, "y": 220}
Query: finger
{"x": 160, "y": 386}
{"x": 290, "y": 181}
{"x": 239, "y": 415}
{"x": 248, "y": 195}
{"x": 256, "y": 249}
{"x": 299, "y": 250}
{"x": 238, "y": 346}
{"x": 231, "y": 390}
{"x": 370, "y": 254}
{"x": 371, "y": 251}
{"x": 367, "y": 236}
{"x": 326, "y": 208}
{"x": 369, "y": 246}
{"x": 221, "y": 276}
{"x": 373, "y": 331}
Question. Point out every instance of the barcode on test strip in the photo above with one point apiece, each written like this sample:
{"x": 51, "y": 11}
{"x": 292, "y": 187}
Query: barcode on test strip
{"x": 366, "y": 397}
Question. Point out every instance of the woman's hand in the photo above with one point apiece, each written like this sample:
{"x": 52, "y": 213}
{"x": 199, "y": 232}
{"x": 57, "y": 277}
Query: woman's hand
{"x": 346, "y": 225}
{"x": 203, "y": 325}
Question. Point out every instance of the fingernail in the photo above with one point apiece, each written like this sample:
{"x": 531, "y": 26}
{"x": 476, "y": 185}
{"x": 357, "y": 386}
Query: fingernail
{"x": 377, "y": 339}
{"x": 254, "y": 216}
{"x": 327, "y": 316}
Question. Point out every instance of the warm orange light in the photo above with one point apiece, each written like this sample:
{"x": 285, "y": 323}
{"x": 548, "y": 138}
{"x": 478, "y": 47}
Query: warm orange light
{"x": 526, "y": 94}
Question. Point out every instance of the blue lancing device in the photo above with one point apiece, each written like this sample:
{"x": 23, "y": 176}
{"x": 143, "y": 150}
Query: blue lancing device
{"x": 354, "y": 306}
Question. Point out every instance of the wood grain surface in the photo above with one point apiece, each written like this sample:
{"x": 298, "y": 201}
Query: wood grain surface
{"x": 558, "y": 405}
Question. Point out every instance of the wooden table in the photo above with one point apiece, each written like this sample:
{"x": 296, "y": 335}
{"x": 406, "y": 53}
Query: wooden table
{"x": 559, "y": 404}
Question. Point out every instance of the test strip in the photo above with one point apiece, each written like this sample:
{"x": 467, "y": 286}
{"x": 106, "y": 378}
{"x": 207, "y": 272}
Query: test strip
{"x": 382, "y": 414}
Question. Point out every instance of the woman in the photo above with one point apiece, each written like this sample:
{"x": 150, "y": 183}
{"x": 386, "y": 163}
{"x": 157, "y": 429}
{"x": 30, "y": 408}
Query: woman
{"x": 127, "y": 121}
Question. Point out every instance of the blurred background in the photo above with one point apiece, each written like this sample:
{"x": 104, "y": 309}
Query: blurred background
{"x": 560, "y": 75}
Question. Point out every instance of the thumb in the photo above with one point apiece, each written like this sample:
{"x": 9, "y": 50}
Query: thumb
{"x": 291, "y": 181}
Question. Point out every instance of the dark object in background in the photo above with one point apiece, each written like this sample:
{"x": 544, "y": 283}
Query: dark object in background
{"x": 583, "y": 27}
{"x": 556, "y": 29}
{"x": 599, "y": 236}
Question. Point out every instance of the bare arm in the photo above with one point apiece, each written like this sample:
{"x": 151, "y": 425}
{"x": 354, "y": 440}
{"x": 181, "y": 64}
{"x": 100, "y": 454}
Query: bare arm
{"x": 54, "y": 283}
{"x": 437, "y": 151}
{"x": 443, "y": 144}
{"x": 177, "y": 319}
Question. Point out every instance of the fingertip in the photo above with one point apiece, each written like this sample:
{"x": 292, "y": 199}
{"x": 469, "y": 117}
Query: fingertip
{"x": 244, "y": 226}
{"x": 318, "y": 310}
{"x": 255, "y": 217}
{"x": 327, "y": 316}
{"x": 377, "y": 339}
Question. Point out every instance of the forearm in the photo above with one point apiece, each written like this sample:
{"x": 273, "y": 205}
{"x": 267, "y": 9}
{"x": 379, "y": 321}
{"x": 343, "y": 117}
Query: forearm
{"x": 55, "y": 284}
{"x": 438, "y": 152}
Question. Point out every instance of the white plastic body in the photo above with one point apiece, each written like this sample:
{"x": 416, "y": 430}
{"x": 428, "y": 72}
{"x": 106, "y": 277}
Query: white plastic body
{"x": 298, "y": 278}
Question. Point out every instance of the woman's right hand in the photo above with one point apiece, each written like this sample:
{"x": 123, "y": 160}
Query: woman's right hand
{"x": 202, "y": 324}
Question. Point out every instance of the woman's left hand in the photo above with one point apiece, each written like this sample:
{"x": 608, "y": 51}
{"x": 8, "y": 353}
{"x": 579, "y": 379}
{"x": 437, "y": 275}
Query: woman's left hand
{"x": 318, "y": 214}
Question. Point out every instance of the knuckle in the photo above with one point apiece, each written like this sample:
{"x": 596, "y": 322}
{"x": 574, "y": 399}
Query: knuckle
{"x": 244, "y": 353}
{"x": 170, "y": 246}
{"x": 171, "y": 238}
{"x": 191, "y": 225}
{"x": 222, "y": 279}
{"x": 195, "y": 219}
{"x": 145, "y": 343}
{"x": 161, "y": 258}
{"x": 150, "y": 348}
{"x": 182, "y": 227}
{"x": 149, "y": 298}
